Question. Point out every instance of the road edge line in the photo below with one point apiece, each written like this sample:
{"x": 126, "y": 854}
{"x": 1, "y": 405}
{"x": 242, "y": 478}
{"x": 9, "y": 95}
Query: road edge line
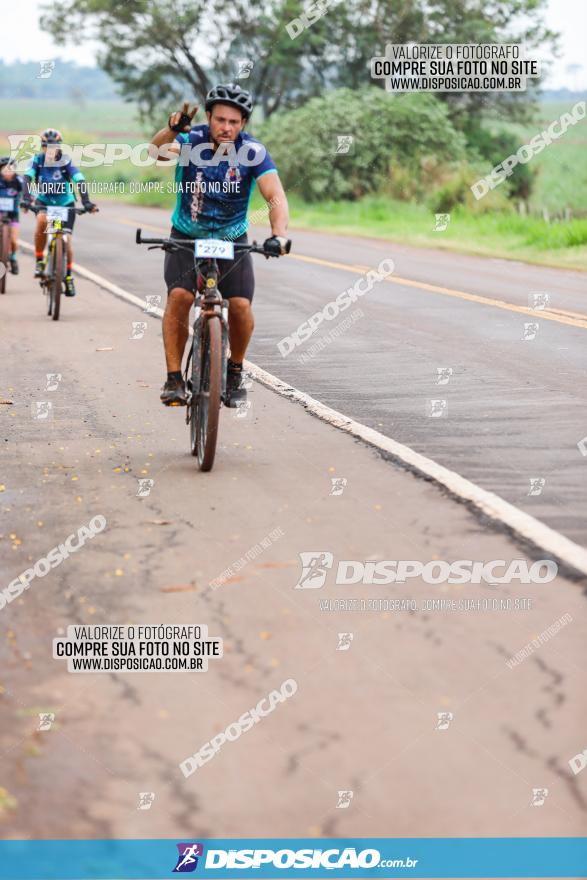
{"x": 488, "y": 503}
{"x": 491, "y": 505}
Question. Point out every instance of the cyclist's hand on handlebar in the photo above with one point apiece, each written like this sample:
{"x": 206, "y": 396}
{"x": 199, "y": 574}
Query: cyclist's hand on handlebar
{"x": 181, "y": 120}
{"x": 277, "y": 245}
{"x": 91, "y": 208}
{"x": 26, "y": 204}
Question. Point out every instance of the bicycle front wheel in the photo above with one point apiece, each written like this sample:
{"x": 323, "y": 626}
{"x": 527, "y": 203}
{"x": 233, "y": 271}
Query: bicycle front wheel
{"x": 57, "y": 282}
{"x": 4, "y": 256}
{"x": 205, "y": 404}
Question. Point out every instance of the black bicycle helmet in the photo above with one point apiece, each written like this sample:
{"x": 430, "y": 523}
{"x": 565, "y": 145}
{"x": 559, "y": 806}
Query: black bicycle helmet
{"x": 51, "y": 136}
{"x": 230, "y": 93}
{"x": 6, "y": 160}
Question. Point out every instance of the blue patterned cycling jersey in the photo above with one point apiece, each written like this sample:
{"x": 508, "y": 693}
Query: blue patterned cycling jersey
{"x": 11, "y": 189}
{"x": 213, "y": 195}
{"x": 54, "y": 182}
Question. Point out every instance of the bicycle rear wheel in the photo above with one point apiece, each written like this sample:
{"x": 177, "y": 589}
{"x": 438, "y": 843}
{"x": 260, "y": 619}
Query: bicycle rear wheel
{"x": 4, "y": 256}
{"x": 205, "y": 403}
{"x": 57, "y": 282}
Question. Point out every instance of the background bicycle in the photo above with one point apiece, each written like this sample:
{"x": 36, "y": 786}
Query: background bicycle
{"x": 7, "y": 205}
{"x": 59, "y": 227}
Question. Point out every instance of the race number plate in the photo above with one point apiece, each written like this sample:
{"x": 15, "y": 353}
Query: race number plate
{"x": 56, "y": 213}
{"x": 6, "y": 204}
{"x": 214, "y": 248}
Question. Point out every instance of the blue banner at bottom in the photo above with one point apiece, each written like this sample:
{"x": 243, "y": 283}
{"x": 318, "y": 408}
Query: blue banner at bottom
{"x": 377, "y": 857}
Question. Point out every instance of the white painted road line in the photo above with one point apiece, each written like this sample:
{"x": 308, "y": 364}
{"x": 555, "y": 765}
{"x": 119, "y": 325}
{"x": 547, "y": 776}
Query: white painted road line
{"x": 491, "y": 505}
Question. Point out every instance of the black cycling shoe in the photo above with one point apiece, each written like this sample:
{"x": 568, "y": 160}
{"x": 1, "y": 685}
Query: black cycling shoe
{"x": 69, "y": 286}
{"x": 14, "y": 265}
{"x": 236, "y": 393}
{"x": 173, "y": 393}
{"x": 39, "y": 267}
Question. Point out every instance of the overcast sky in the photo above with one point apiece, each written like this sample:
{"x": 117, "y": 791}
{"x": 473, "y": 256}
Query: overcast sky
{"x": 569, "y": 17}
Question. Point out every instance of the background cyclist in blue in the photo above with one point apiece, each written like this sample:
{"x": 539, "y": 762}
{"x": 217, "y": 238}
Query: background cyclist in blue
{"x": 54, "y": 181}
{"x": 212, "y": 202}
{"x": 11, "y": 188}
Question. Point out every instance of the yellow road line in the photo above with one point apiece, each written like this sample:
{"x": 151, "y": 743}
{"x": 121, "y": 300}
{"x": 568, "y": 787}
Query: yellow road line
{"x": 565, "y": 312}
{"x": 559, "y": 316}
{"x": 550, "y": 315}
{"x": 142, "y": 225}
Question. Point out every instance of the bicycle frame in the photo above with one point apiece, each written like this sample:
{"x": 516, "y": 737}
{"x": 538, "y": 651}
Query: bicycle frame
{"x": 208, "y": 305}
{"x": 52, "y": 234}
{"x": 54, "y": 228}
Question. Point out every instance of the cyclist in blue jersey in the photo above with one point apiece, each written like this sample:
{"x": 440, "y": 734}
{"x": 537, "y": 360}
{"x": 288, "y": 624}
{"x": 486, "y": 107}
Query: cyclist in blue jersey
{"x": 54, "y": 180}
{"x": 11, "y": 188}
{"x": 218, "y": 165}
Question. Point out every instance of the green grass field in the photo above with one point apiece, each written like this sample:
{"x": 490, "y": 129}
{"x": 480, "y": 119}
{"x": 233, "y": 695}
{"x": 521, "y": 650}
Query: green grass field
{"x": 562, "y": 167}
{"x": 509, "y": 236}
{"x": 95, "y": 117}
{"x": 561, "y": 183}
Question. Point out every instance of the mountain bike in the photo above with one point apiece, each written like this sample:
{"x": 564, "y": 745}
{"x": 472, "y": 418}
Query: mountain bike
{"x": 58, "y": 229}
{"x": 6, "y": 207}
{"x": 206, "y": 366}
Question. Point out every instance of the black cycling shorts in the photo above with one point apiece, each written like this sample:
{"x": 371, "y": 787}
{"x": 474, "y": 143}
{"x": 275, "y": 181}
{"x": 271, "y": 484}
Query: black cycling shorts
{"x": 235, "y": 277}
{"x": 71, "y": 215}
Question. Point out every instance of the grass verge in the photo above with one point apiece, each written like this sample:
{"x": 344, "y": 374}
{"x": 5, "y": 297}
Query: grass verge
{"x": 509, "y": 236}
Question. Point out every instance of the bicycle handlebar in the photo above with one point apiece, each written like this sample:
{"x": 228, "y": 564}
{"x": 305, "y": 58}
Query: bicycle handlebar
{"x": 171, "y": 244}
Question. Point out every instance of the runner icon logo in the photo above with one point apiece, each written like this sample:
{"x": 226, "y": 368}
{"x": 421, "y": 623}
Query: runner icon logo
{"x": 537, "y": 484}
{"x": 53, "y": 380}
{"x": 578, "y": 762}
{"x": 146, "y": 799}
{"x": 539, "y": 795}
{"x": 187, "y": 860}
{"x": 244, "y": 68}
{"x": 444, "y": 719}
{"x": 138, "y": 329}
{"x": 344, "y": 800}
{"x": 42, "y": 409}
{"x": 443, "y": 375}
{"x": 344, "y": 143}
{"x": 441, "y": 222}
{"x": 242, "y": 409}
{"x": 538, "y": 300}
{"x": 314, "y": 567}
{"x": 437, "y": 409}
{"x": 530, "y": 330}
{"x": 144, "y": 488}
{"x": 46, "y": 719}
{"x": 46, "y": 69}
{"x": 152, "y": 302}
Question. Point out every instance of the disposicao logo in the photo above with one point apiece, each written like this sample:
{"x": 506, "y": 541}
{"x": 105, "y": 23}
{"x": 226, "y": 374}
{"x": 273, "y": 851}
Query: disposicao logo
{"x": 187, "y": 860}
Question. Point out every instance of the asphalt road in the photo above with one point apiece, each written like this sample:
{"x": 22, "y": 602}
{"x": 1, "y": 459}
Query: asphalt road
{"x": 365, "y": 719}
{"x": 515, "y": 407}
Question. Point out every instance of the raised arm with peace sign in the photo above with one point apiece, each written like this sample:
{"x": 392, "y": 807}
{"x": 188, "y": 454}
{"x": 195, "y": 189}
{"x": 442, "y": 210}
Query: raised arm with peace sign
{"x": 181, "y": 120}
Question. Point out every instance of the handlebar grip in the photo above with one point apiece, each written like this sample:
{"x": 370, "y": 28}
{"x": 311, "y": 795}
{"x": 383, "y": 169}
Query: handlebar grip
{"x": 140, "y": 240}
